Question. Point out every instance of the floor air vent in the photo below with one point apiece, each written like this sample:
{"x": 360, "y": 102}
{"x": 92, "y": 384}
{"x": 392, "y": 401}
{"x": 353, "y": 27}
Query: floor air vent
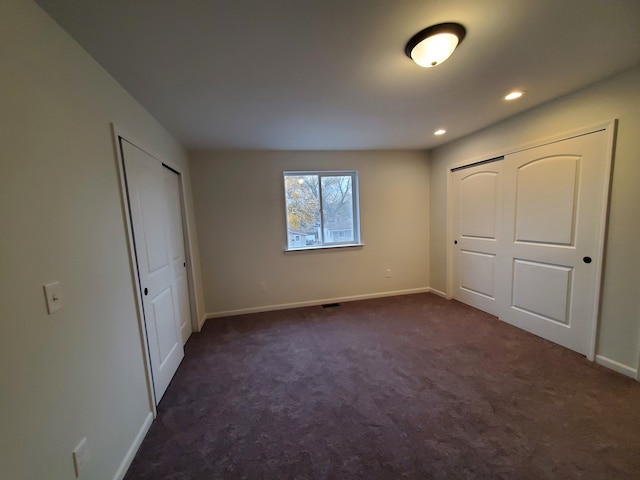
{"x": 330, "y": 305}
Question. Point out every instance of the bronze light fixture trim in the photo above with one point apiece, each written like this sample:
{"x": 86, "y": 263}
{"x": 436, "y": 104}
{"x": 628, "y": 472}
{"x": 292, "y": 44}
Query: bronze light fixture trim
{"x": 434, "y": 44}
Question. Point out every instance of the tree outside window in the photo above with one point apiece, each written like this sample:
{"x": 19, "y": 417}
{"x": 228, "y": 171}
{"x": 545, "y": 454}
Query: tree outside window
{"x": 322, "y": 208}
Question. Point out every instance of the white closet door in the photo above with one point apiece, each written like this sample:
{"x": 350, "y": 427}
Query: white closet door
{"x": 148, "y": 207}
{"x": 177, "y": 253}
{"x": 478, "y": 206}
{"x": 554, "y": 199}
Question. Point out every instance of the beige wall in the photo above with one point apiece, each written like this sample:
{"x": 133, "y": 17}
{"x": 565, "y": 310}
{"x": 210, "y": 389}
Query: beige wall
{"x": 241, "y": 225}
{"x": 79, "y": 372}
{"x": 617, "y": 97}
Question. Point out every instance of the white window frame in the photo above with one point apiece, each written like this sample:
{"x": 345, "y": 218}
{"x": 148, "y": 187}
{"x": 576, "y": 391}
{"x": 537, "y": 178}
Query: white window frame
{"x": 355, "y": 205}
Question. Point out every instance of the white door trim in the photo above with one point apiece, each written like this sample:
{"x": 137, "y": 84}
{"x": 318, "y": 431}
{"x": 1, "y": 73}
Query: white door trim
{"x": 610, "y": 127}
{"x": 117, "y": 134}
{"x": 604, "y": 216}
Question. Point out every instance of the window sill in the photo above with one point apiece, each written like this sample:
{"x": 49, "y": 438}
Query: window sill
{"x": 323, "y": 247}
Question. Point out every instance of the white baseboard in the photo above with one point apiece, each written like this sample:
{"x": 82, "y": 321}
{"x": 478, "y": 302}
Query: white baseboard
{"x": 133, "y": 449}
{"x": 439, "y": 293}
{"x": 617, "y": 366}
{"x": 311, "y": 303}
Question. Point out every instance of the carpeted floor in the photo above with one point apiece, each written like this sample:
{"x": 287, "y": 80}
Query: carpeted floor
{"x": 411, "y": 387}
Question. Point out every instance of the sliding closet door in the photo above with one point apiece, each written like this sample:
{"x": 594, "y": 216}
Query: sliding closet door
{"x": 554, "y": 203}
{"x": 477, "y": 194}
{"x": 145, "y": 182}
{"x": 177, "y": 252}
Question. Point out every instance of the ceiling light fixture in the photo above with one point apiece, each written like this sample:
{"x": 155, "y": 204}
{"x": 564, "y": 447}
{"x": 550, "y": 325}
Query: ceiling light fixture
{"x": 440, "y": 131}
{"x": 513, "y": 95}
{"x": 433, "y": 45}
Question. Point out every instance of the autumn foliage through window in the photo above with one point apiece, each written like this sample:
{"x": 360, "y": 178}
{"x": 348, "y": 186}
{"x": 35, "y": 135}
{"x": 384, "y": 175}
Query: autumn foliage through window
{"x": 321, "y": 209}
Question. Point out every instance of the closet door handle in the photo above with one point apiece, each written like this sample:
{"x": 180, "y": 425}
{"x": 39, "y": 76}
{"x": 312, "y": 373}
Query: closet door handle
{"x": 586, "y": 259}
{"x": 146, "y": 291}
{"x": 455, "y": 242}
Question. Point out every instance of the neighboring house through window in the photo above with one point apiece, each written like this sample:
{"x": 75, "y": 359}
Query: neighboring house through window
{"x": 321, "y": 208}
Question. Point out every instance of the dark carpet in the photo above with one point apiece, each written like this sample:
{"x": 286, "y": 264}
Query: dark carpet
{"x": 411, "y": 387}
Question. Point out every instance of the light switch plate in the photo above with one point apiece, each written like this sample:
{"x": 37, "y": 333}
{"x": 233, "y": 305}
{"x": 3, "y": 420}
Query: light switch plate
{"x": 53, "y": 295}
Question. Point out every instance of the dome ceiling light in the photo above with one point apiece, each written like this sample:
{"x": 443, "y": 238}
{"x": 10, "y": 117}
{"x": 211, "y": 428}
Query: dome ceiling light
{"x": 514, "y": 95}
{"x": 433, "y": 45}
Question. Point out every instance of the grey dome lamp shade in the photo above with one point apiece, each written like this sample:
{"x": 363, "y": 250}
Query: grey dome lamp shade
{"x": 434, "y": 44}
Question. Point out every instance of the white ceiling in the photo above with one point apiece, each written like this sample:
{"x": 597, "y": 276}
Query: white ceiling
{"x": 332, "y": 75}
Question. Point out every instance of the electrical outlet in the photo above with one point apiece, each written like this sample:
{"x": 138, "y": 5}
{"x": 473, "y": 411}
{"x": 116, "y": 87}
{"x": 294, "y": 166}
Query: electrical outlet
{"x": 80, "y": 456}
{"x": 387, "y": 273}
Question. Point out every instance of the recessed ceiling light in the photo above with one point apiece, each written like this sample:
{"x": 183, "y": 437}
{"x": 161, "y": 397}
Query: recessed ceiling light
{"x": 440, "y": 131}
{"x": 513, "y": 95}
{"x": 433, "y": 45}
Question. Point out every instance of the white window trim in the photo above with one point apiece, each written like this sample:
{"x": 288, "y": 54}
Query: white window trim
{"x": 323, "y": 247}
{"x": 355, "y": 192}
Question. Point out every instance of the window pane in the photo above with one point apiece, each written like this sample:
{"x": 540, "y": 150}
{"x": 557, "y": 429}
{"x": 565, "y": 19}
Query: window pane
{"x": 321, "y": 208}
{"x": 303, "y": 210}
{"x": 337, "y": 208}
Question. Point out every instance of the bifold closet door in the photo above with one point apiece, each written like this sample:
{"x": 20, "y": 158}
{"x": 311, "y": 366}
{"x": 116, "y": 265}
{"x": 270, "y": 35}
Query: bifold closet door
{"x": 553, "y": 221}
{"x": 145, "y": 181}
{"x": 477, "y": 192}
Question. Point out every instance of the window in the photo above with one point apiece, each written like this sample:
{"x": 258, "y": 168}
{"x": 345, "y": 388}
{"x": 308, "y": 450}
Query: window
{"x": 322, "y": 207}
